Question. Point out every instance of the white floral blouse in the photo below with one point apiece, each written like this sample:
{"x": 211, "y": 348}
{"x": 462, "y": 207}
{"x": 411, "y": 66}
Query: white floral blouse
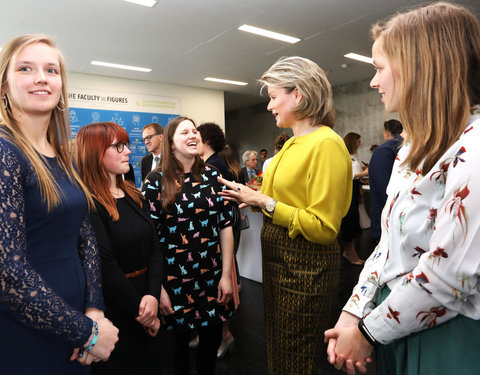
{"x": 429, "y": 252}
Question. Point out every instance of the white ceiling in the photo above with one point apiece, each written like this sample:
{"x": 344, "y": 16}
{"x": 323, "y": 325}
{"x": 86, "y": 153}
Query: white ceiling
{"x": 184, "y": 41}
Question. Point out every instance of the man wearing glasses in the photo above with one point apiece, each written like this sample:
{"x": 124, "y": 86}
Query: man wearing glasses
{"x": 152, "y": 135}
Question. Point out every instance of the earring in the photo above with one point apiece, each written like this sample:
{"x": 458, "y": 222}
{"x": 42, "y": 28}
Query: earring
{"x": 62, "y": 106}
{"x": 5, "y": 101}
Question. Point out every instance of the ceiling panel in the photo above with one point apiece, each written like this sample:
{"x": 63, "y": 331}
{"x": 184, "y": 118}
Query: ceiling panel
{"x": 185, "y": 40}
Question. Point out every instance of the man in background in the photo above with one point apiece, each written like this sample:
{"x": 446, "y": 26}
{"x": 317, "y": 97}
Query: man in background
{"x": 263, "y": 157}
{"x": 379, "y": 171}
{"x": 250, "y": 170}
{"x": 152, "y": 135}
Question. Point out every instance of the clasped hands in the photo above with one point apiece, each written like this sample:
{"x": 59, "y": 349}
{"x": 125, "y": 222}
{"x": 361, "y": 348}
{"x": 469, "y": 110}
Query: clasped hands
{"x": 148, "y": 314}
{"x": 347, "y": 348}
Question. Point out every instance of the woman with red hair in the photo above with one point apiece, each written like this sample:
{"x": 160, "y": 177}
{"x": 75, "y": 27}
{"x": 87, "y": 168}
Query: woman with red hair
{"x": 131, "y": 259}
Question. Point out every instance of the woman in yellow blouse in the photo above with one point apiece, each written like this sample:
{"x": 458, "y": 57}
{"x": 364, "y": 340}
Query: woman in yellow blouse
{"x": 304, "y": 198}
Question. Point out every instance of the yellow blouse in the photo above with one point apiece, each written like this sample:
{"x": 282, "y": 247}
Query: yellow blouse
{"x": 311, "y": 178}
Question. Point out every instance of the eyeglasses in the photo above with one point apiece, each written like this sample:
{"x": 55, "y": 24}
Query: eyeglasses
{"x": 120, "y": 146}
{"x": 149, "y": 137}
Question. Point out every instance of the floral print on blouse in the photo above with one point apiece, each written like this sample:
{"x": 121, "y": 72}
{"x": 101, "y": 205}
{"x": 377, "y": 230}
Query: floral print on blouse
{"x": 428, "y": 254}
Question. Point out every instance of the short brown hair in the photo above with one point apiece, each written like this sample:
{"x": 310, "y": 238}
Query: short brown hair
{"x": 157, "y": 127}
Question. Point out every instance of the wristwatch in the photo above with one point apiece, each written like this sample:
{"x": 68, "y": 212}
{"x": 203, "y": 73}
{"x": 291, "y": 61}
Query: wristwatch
{"x": 270, "y": 207}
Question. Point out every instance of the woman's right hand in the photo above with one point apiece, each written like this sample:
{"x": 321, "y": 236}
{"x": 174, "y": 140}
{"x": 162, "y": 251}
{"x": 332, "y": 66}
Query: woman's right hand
{"x": 107, "y": 338}
{"x": 165, "y": 303}
{"x": 243, "y": 195}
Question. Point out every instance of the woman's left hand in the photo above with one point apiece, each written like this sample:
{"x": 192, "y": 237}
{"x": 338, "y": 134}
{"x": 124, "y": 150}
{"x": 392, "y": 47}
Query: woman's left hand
{"x": 87, "y": 358}
{"x": 152, "y": 329}
{"x": 225, "y": 290}
{"x": 352, "y": 350}
{"x": 147, "y": 310}
{"x": 243, "y": 194}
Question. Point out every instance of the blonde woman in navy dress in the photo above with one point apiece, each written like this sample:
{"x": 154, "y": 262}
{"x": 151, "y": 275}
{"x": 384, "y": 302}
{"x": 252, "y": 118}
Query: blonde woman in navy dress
{"x": 194, "y": 224}
{"x": 50, "y": 291}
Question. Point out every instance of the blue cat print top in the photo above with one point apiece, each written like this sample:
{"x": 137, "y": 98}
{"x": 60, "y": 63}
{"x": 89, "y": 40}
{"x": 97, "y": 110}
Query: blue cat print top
{"x": 189, "y": 235}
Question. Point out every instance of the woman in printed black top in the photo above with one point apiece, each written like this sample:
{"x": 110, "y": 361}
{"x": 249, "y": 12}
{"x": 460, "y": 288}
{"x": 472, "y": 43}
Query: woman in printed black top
{"x": 194, "y": 227}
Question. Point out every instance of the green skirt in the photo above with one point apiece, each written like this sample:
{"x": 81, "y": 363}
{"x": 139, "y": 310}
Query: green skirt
{"x": 450, "y": 348}
{"x": 300, "y": 284}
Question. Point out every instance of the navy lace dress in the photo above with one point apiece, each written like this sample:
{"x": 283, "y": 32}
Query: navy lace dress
{"x": 49, "y": 270}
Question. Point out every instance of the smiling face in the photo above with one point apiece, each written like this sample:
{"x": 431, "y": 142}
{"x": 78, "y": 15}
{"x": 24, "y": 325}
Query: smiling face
{"x": 281, "y": 104}
{"x": 34, "y": 83}
{"x": 115, "y": 162}
{"x": 383, "y": 80}
{"x": 185, "y": 141}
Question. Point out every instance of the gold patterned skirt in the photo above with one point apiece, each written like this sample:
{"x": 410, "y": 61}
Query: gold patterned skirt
{"x": 300, "y": 285}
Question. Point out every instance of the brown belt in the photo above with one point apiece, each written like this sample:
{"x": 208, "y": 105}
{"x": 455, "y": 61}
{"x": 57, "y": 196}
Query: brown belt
{"x": 136, "y": 273}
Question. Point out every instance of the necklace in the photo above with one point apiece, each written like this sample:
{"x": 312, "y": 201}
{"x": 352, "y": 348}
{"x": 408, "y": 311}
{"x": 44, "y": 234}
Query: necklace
{"x": 118, "y": 193}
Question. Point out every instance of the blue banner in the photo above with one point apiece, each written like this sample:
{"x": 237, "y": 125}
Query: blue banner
{"x": 132, "y": 122}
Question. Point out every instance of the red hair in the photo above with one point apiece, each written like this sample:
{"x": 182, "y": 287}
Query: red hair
{"x": 92, "y": 142}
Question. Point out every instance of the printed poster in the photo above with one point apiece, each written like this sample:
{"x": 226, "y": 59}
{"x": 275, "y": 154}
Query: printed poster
{"x": 131, "y": 111}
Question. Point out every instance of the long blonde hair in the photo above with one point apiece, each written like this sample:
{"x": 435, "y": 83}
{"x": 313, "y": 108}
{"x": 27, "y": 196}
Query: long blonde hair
{"x": 434, "y": 52}
{"x": 58, "y": 133}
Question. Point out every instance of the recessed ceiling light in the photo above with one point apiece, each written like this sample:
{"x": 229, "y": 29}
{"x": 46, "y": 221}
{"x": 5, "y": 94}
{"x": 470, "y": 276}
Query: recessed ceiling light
{"x": 145, "y": 3}
{"x": 238, "y": 83}
{"x": 268, "y": 34}
{"x": 119, "y": 66}
{"x": 356, "y": 56}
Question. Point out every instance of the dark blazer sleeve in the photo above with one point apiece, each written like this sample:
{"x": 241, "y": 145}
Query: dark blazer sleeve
{"x": 155, "y": 264}
{"x": 117, "y": 289}
{"x": 243, "y": 178}
{"x": 146, "y": 165}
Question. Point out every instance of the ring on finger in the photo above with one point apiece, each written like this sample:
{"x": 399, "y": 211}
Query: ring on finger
{"x": 239, "y": 188}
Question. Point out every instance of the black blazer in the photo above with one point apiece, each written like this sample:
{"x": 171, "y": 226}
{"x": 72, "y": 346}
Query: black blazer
{"x": 146, "y": 165}
{"x": 123, "y": 295}
{"x": 244, "y": 175}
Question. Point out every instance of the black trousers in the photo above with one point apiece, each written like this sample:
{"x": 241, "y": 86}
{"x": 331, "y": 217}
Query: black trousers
{"x": 206, "y": 355}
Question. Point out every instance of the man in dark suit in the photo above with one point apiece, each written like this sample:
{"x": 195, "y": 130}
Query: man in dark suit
{"x": 379, "y": 171}
{"x": 250, "y": 159}
{"x": 152, "y": 135}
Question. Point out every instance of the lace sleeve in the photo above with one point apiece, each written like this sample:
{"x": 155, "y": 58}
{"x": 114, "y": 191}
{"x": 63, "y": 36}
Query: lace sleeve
{"x": 23, "y": 293}
{"x": 89, "y": 256}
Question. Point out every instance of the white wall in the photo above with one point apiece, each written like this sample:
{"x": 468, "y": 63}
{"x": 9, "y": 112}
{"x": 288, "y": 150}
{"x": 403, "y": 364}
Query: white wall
{"x": 359, "y": 110}
{"x": 200, "y": 104}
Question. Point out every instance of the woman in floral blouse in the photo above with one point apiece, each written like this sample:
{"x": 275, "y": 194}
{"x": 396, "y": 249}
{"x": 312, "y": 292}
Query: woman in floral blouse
{"x": 417, "y": 299}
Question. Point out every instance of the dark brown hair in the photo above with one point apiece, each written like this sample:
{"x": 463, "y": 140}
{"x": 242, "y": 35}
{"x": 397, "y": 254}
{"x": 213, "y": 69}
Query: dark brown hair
{"x": 351, "y": 142}
{"x": 171, "y": 168}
